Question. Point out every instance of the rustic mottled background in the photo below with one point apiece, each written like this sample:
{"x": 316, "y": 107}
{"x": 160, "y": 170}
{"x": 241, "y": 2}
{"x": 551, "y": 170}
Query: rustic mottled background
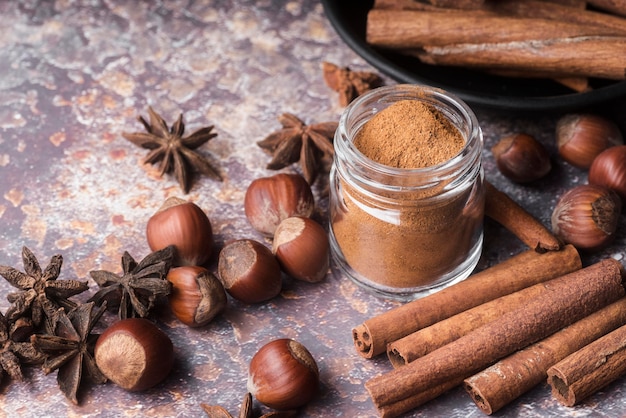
{"x": 74, "y": 74}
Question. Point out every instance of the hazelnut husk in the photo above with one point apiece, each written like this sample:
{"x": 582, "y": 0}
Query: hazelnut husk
{"x": 581, "y": 137}
{"x": 185, "y": 225}
{"x": 134, "y": 354}
{"x": 302, "y": 248}
{"x": 283, "y": 375}
{"x": 269, "y": 200}
{"x": 249, "y": 271}
{"x": 587, "y": 217}
{"x": 521, "y": 158}
{"x": 609, "y": 170}
{"x": 197, "y": 296}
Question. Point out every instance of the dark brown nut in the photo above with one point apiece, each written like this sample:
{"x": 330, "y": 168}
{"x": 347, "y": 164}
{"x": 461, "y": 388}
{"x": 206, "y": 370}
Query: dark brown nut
{"x": 587, "y": 217}
{"x": 197, "y": 295}
{"x": 609, "y": 170}
{"x": 521, "y": 158}
{"x": 249, "y": 271}
{"x": 134, "y": 354}
{"x": 302, "y": 249}
{"x": 581, "y": 137}
{"x": 269, "y": 200}
{"x": 183, "y": 224}
{"x": 283, "y": 375}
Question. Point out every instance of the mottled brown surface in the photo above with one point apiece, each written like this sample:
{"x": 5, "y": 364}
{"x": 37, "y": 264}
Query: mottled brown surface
{"x": 73, "y": 76}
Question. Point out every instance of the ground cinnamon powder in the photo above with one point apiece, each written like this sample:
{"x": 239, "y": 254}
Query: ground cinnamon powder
{"x": 413, "y": 241}
{"x": 409, "y": 134}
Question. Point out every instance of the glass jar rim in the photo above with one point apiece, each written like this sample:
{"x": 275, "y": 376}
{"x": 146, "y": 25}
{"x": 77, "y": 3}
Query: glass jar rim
{"x": 473, "y": 137}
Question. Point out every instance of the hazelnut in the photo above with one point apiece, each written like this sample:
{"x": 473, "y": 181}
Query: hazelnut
{"x": 134, "y": 354}
{"x": 587, "y": 217}
{"x": 302, "y": 249}
{"x": 269, "y": 200}
{"x": 184, "y": 225}
{"x": 249, "y": 271}
{"x": 521, "y": 158}
{"x": 581, "y": 137}
{"x": 283, "y": 375}
{"x": 197, "y": 295}
{"x": 609, "y": 169}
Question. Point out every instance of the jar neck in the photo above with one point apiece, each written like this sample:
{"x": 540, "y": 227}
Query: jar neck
{"x": 370, "y": 176}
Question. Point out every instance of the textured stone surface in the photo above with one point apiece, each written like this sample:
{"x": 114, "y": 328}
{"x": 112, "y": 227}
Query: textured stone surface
{"x": 74, "y": 75}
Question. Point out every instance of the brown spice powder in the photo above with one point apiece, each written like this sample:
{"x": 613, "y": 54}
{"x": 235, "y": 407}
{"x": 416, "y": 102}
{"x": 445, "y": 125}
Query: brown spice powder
{"x": 409, "y": 134}
{"x": 413, "y": 242}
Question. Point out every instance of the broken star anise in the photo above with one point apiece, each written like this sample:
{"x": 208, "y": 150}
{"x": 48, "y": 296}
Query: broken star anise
{"x": 70, "y": 348}
{"x": 14, "y": 353}
{"x": 172, "y": 151}
{"x": 135, "y": 292}
{"x": 296, "y": 141}
{"x": 40, "y": 294}
{"x": 349, "y": 84}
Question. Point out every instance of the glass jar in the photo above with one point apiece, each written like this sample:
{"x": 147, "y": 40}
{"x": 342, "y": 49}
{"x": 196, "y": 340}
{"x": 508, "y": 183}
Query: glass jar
{"x": 405, "y": 233}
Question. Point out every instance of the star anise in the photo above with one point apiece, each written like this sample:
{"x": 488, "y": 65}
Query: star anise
{"x": 14, "y": 353}
{"x": 349, "y": 84}
{"x": 216, "y": 411}
{"x": 70, "y": 348}
{"x": 40, "y": 292}
{"x": 296, "y": 141}
{"x": 172, "y": 151}
{"x": 135, "y": 292}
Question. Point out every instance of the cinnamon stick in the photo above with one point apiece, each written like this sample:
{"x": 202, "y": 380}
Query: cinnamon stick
{"x": 588, "y": 56}
{"x": 589, "y": 369}
{"x": 504, "y": 210}
{"x": 501, "y": 383}
{"x": 406, "y": 29}
{"x": 571, "y": 298}
{"x": 425, "y": 340}
{"x": 518, "y": 272}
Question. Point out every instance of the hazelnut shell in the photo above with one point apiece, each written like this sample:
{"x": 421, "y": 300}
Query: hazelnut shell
{"x": 249, "y": 271}
{"x": 269, "y": 200}
{"x": 302, "y": 249}
{"x": 185, "y": 225}
{"x": 283, "y": 375}
{"x": 521, "y": 158}
{"x": 134, "y": 354}
{"x": 197, "y": 295}
{"x": 609, "y": 170}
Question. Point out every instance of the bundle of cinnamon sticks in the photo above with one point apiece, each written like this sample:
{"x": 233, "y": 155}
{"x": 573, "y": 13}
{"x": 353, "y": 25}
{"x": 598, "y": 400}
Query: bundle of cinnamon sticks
{"x": 560, "y": 39}
{"x": 502, "y": 331}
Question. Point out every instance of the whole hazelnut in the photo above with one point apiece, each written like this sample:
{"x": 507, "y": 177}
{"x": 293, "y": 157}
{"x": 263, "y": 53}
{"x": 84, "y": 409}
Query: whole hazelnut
{"x": 197, "y": 295}
{"x": 302, "y": 249}
{"x": 521, "y": 158}
{"x": 581, "y": 137}
{"x": 134, "y": 354}
{"x": 249, "y": 271}
{"x": 587, "y": 217}
{"x": 183, "y": 224}
{"x": 269, "y": 200}
{"x": 283, "y": 375}
{"x": 609, "y": 169}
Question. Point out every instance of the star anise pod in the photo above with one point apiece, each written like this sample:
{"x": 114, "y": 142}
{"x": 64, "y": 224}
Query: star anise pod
{"x": 135, "y": 292}
{"x": 349, "y": 84}
{"x": 70, "y": 348}
{"x": 172, "y": 151}
{"x": 216, "y": 411}
{"x": 40, "y": 292}
{"x": 14, "y": 353}
{"x": 296, "y": 141}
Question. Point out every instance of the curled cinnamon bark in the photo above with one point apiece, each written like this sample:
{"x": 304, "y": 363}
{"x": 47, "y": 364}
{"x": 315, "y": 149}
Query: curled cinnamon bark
{"x": 520, "y": 271}
{"x": 501, "y": 383}
{"x": 571, "y": 297}
{"x": 589, "y": 369}
{"x": 504, "y": 210}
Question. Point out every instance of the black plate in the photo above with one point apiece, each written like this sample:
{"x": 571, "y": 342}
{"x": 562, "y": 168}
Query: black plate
{"x": 348, "y": 17}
